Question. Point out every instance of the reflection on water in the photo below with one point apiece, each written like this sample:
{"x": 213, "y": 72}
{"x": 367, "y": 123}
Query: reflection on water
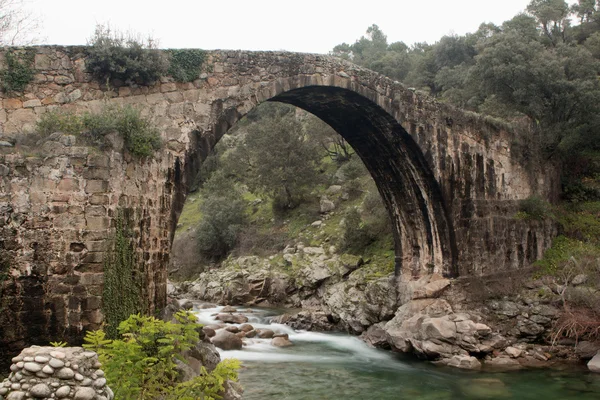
{"x": 339, "y": 366}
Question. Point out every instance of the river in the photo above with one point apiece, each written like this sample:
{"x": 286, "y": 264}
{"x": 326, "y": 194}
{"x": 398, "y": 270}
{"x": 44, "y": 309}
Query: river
{"x": 341, "y": 366}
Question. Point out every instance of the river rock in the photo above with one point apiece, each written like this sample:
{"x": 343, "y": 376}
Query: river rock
{"x": 246, "y": 327}
{"x": 513, "y": 351}
{"x": 40, "y": 391}
{"x": 464, "y": 362}
{"x": 251, "y": 334}
{"x": 209, "y": 332}
{"x": 228, "y": 309}
{"x": 232, "y": 329}
{"x": 503, "y": 363}
{"x": 265, "y": 333}
{"x": 594, "y": 364}
{"x": 232, "y": 318}
{"x": 375, "y": 336}
{"x": 227, "y": 341}
{"x": 281, "y": 341}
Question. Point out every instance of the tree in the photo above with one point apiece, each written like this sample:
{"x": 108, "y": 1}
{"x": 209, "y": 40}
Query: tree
{"x": 223, "y": 217}
{"x": 585, "y": 10}
{"x": 282, "y": 161}
{"x": 18, "y": 26}
{"x": 552, "y": 16}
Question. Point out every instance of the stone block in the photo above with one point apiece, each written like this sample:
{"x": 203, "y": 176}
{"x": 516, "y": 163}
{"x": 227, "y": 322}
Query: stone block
{"x": 12, "y": 104}
{"x": 96, "y": 186}
{"x": 98, "y": 199}
{"x": 97, "y": 223}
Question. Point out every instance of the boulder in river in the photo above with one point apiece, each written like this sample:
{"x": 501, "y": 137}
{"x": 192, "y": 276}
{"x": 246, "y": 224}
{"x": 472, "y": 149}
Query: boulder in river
{"x": 594, "y": 364}
{"x": 232, "y": 318}
{"x": 227, "y": 341}
{"x": 281, "y": 341}
{"x": 265, "y": 333}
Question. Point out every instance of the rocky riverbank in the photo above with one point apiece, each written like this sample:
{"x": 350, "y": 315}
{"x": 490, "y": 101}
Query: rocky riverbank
{"x": 461, "y": 323}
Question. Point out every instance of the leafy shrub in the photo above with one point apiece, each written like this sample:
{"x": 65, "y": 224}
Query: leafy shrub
{"x": 140, "y": 136}
{"x": 355, "y": 236}
{"x": 115, "y": 57}
{"x": 18, "y": 72}
{"x": 533, "y": 208}
{"x": 141, "y": 364}
{"x": 185, "y": 64}
{"x": 222, "y": 217}
{"x": 353, "y": 169}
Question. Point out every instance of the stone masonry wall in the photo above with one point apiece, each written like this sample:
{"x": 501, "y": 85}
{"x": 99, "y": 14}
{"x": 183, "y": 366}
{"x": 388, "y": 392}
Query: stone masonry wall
{"x": 58, "y": 198}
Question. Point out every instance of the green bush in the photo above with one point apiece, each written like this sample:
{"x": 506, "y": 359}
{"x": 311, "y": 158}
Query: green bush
{"x": 355, "y": 235}
{"x": 185, "y": 64}
{"x": 114, "y": 57}
{"x": 18, "y": 72}
{"x": 223, "y": 217}
{"x": 140, "y": 136}
{"x": 533, "y": 208}
{"x": 141, "y": 363}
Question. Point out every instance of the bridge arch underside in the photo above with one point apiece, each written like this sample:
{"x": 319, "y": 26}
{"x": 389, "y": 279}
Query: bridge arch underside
{"x": 424, "y": 240}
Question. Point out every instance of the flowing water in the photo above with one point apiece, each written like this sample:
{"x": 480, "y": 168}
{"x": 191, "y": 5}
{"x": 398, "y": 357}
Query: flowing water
{"x": 340, "y": 366}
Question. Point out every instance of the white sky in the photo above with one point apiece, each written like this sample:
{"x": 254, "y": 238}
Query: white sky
{"x": 302, "y": 26}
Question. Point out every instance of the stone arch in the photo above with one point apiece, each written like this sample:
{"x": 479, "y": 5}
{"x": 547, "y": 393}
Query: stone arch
{"x": 424, "y": 238}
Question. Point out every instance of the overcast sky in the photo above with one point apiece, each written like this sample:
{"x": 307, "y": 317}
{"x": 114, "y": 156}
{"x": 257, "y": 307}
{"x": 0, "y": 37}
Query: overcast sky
{"x": 303, "y": 26}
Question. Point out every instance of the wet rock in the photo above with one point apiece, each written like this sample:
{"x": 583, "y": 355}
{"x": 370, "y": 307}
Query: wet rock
{"x": 186, "y": 304}
{"x": 464, "y": 362}
{"x": 228, "y": 309}
{"x": 232, "y": 318}
{"x": 226, "y": 341}
{"x": 232, "y": 329}
{"x": 265, "y": 333}
{"x": 503, "y": 364}
{"x": 281, "y": 341}
{"x": 246, "y": 327}
{"x": 594, "y": 364}
{"x": 375, "y": 336}
{"x": 209, "y": 332}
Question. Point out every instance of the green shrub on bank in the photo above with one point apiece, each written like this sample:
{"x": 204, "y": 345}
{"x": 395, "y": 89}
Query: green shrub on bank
{"x": 140, "y": 136}
{"x": 141, "y": 364}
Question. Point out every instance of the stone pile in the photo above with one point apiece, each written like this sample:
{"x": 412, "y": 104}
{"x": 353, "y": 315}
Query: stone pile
{"x": 55, "y": 373}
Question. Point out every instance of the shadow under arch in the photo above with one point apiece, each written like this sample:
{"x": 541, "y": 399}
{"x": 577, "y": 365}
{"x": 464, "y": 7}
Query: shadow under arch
{"x": 423, "y": 235}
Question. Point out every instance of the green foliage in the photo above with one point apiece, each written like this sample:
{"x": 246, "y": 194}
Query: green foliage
{"x": 185, "y": 64}
{"x": 18, "y": 72}
{"x": 58, "y": 344}
{"x": 140, "y": 136}
{"x": 112, "y": 57}
{"x": 283, "y": 162}
{"x": 533, "y": 208}
{"x": 356, "y": 236}
{"x": 123, "y": 278}
{"x": 141, "y": 363}
{"x": 564, "y": 249}
{"x": 223, "y": 217}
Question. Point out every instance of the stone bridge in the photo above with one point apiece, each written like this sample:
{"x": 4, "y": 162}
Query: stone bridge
{"x": 451, "y": 180}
